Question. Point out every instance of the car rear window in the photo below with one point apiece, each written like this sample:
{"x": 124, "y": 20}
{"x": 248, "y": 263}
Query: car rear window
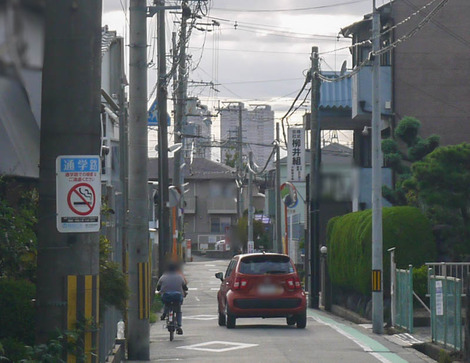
{"x": 260, "y": 265}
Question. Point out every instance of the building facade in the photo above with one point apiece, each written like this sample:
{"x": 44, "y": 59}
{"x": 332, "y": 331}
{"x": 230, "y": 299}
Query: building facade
{"x": 424, "y": 76}
{"x": 257, "y": 131}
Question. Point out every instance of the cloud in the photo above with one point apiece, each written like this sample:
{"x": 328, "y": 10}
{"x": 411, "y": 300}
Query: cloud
{"x": 272, "y": 48}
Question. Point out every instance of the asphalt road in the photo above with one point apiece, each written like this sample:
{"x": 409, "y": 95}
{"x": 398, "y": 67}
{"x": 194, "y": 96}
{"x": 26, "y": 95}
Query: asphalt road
{"x": 326, "y": 338}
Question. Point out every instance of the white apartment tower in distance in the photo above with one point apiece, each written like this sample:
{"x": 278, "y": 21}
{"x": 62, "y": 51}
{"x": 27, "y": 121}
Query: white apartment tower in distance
{"x": 198, "y": 124}
{"x": 257, "y": 130}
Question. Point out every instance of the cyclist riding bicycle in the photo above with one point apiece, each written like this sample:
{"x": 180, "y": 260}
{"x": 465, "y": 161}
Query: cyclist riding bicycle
{"x": 172, "y": 287}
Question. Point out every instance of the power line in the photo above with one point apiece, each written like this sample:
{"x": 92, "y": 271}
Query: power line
{"x": 288, "y": 10}
{"x": 402, "y": 39}
{"x": 388, "y": 30}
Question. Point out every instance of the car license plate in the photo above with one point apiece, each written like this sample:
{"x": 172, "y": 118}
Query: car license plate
{"x": 268, "y": 289}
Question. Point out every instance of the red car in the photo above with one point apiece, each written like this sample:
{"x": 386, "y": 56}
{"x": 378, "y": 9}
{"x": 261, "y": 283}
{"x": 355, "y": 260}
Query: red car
{"x": 262, "y": 285}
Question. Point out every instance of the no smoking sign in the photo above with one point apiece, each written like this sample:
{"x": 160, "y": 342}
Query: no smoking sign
{"x": 78, "y": 182}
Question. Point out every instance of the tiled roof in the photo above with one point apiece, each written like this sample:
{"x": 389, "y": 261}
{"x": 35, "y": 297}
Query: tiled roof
{"x": 200, "y": 168}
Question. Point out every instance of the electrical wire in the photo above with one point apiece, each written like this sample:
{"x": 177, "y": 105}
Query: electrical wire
{"x": 289, "y": 10}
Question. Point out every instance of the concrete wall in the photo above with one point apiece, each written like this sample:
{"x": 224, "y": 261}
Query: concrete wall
{"x": 432, "y": 70}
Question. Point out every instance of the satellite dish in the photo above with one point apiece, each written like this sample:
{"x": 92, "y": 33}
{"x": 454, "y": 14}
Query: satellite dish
{"x": 343, "y": 68}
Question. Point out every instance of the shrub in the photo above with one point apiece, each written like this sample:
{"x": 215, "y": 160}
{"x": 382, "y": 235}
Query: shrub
{"x": 420, "y": 283}
{"x": 17, "y": 311}
{"x": 349, "y": 240}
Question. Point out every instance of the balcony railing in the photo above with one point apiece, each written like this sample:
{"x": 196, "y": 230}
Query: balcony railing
{"x": 222, "y": 206}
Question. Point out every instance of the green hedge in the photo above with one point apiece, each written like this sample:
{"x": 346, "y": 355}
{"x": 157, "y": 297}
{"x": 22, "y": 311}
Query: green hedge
{"x": 349, "y": 241}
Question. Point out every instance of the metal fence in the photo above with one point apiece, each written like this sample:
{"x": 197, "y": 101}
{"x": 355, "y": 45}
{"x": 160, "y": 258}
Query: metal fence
{"x": 460, "y": 270}
{"x": 403, "y": 296}
{"x": 446, "y": 314}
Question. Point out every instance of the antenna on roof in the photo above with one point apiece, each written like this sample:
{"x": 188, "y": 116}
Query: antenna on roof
{"x": 343, "y": 68}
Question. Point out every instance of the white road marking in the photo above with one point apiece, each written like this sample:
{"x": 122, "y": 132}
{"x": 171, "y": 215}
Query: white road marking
{"x": 192, "y": 288}
{"x": 229, "y": 346}
{"x": 215, "y": 289}
{"x": 197, "y": 299}
{"x": 210, "y": 265}
{"x": 201, "y": 317}
{"x": 213, "y": 269}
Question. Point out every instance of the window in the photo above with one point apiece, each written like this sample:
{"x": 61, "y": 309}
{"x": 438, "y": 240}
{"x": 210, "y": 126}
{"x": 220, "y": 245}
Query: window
{"x": 219, "y": 224}
{"x": 260, "y": 265}
{"x": 230, "y": 268}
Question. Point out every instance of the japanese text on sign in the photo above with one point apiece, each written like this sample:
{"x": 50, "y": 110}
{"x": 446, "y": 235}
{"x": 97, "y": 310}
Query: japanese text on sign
{"x": 296, "y": 155}
{"x": 78, "y": 193}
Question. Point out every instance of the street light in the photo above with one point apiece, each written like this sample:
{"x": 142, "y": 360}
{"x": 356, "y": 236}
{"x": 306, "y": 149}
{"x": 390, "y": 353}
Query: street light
{"x": 173, "y": 148}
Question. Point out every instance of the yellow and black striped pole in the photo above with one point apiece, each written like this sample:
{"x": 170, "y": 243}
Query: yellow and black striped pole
{"x": 144, "y": 289}
{"x": 83, "y": 308}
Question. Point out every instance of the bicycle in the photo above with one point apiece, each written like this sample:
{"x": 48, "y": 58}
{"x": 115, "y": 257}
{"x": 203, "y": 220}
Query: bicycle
{"x": 171, "y": 319}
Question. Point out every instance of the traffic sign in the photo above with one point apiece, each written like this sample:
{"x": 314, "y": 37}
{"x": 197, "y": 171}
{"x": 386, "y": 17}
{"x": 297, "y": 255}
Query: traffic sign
{"x": 78, "y": 193}
{"x": 153, "y": 115}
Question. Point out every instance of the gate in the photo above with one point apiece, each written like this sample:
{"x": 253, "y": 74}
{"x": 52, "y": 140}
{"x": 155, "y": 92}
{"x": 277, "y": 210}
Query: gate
{"x": 403, "y": 299}
{"x": 446, "y": 313}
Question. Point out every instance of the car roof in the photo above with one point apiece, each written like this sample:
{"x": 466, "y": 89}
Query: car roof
{"x": 241, "y": 256}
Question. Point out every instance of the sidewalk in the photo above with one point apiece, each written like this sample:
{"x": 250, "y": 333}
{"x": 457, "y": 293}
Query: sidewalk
{"x": 396, "y": 348}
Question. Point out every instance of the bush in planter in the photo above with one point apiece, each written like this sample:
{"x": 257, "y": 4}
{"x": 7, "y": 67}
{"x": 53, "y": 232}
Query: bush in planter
{"x": 349, "y": 241}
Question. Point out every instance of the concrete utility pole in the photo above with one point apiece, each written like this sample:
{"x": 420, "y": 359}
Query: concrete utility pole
{"x": 377, "y": 254}
{"x": 314, "y": 183}
{"x": 277, "y": 187}
{"x": 164, "y": 221}
{"x": 70, "y": 92}
{"x": 138, "y": 234}
{"x": 123, "y": 165}
{"x": 250, "y": 199}
{"x": 240, "y": 157}
{"x": 181, "y": 97}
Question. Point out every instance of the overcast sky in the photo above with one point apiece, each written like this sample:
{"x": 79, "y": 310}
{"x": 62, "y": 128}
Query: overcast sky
{"x": 255, "y": 55}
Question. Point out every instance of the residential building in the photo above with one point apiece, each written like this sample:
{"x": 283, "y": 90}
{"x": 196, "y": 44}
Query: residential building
{"x": 424, "y": 76}
{"x": 210, "y": 200}
{"x": 257, "y": 131}
{"x": 20, "y": 87}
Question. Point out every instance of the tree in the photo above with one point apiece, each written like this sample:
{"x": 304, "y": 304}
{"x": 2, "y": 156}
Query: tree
{"x": 443, "y": 179}
{"x": 416, "y": 149}
{"x": 231, "y": 159}
{"x": 258, "y": 231}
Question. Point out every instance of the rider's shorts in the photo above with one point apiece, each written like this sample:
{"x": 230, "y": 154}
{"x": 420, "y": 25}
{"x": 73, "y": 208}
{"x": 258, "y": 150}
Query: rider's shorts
{"x": 173, "y": 296}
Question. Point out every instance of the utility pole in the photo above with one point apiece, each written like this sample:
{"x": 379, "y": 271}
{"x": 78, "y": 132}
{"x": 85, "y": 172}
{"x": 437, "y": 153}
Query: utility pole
{"x": 123, "y": 167}
{"x": 138, "y": 234}
{"x": 180, "y": 114}
{"x": 277, "y": 186}
{"x": 377, "y": 242}
{"x": 67, "y": 262}
{"x": 314, "y": 183}
{"x": 240, "y": 157}
{"x": 250, "y": 200}
{"x": 164, "y": 221}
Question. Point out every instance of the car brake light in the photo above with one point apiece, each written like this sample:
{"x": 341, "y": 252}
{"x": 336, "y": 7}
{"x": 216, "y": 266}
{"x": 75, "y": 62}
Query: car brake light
{"x": 293, "y": 283}
{"x": 240, "y": 284}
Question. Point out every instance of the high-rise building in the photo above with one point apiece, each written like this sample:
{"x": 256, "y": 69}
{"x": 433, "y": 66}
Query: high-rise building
{"x": 257, "y": 131}
{"x": 198, "y": 125}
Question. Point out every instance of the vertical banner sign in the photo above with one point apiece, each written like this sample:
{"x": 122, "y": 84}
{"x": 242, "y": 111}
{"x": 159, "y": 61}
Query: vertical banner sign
{"x": 78, "y": 193}
{"x": 296, "y": 155}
